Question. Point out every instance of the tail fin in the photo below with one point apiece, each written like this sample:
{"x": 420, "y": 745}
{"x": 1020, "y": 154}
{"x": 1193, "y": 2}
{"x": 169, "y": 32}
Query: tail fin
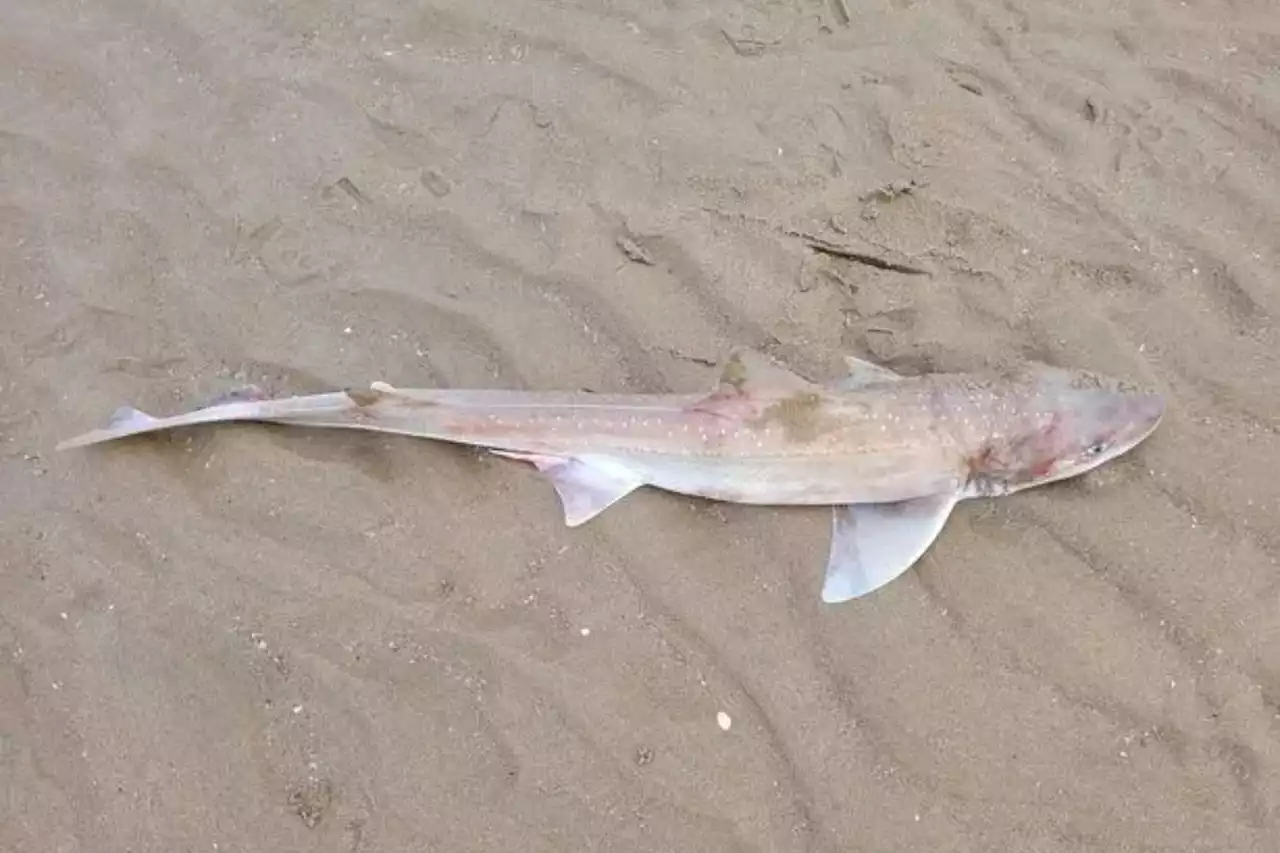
{"x": 126, "y": 420}
{"x": 243, "y": 404}
{"x": 127, "y": 417}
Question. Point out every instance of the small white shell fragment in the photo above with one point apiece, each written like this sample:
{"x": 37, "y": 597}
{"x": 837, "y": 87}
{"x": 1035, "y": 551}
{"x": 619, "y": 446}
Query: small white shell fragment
{"x": 723, "y": 719}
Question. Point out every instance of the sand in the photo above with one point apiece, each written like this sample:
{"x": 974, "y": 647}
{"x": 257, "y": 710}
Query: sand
{"x": 259, "y": 639}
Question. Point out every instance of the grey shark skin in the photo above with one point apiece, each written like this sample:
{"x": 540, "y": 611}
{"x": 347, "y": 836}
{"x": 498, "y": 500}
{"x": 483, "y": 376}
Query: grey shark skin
{"x": 891, "y": 454}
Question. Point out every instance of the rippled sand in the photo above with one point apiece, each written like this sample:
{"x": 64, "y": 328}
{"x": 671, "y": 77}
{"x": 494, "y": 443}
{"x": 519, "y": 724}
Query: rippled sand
{"x": 253, "y": 638}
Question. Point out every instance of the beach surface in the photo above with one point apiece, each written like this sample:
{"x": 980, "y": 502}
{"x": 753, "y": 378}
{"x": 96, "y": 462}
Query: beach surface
{"x": 252, "y": 638}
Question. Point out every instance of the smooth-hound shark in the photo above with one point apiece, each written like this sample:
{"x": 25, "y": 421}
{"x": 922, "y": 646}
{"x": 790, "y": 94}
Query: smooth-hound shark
{"x": 891, "y": 454}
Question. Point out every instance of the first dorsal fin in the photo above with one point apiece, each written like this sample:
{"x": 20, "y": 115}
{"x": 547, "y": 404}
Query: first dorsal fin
{"x": 748, "y": 377}
{"x": 747, "y": 370}
{"x": 861, "y": 372}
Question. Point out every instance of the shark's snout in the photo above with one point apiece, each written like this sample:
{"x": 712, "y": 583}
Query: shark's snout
{"x": 1146, "y": 410}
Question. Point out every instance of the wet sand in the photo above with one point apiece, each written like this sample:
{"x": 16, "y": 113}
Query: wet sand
{"x": 252, "y": 638}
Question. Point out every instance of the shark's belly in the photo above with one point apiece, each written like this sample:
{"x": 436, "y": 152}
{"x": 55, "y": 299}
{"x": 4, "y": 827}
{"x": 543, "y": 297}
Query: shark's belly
{"x": 803, "y": 480}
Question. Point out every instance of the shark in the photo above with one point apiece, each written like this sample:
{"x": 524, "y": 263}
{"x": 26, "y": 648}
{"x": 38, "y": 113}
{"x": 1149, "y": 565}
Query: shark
{"x": 890, "y": 453}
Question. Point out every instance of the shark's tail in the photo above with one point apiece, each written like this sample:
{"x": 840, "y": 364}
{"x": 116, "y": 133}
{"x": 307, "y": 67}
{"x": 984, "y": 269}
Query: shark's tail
{"x": 126, "y": 420}
{"x": 241, "y": 405}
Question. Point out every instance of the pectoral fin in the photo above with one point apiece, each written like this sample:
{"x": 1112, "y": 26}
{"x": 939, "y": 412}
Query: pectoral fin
{"x": 587, "y": 487}
{"x": 872, "y": 544}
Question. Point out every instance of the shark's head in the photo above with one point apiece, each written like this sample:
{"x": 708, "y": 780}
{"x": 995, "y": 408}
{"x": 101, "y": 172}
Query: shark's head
{"x": 1067, "y": 422}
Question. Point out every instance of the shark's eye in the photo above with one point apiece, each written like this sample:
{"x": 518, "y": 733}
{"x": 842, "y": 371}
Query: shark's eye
{"x": 1096, "y": 449}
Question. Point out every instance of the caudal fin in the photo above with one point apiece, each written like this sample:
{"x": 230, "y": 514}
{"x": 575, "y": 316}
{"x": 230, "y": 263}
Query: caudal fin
{"x": 243, "y": 404}
{"x": 125, "y": 421}
{"x": 127, "y": 417}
